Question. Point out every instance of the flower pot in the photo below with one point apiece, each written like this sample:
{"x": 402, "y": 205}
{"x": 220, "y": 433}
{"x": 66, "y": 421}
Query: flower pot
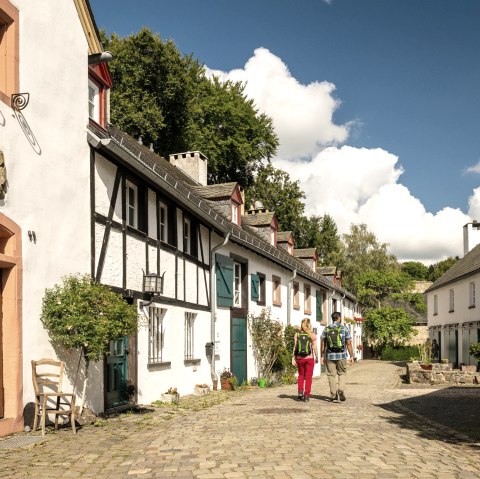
{"x": 427, "y": 367}
{"x": 262, "y": 383}
{"x": 226, "y": 384}
{"x": 170, "y": 398}
{"x": 199, "y": 391}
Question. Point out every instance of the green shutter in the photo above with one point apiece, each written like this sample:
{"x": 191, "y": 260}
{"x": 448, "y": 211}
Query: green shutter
{"x": 224, "y": 280}
{"x": 319, "y": 302}
{"x": 255, "y": 287}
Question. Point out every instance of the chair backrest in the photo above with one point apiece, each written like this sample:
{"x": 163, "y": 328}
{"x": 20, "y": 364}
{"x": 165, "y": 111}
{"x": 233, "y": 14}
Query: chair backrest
{"x": 47, "y": 375}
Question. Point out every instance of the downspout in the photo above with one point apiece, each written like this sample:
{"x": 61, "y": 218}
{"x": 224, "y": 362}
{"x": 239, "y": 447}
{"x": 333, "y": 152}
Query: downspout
{"x": 289, "y": 294}
{"x": 213, "y": 302}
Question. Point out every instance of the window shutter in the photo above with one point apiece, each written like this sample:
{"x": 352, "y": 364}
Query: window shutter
{"x": 255, "y": 287}
{"x": 224, "y": 280}
{"x": 319, "y": 302}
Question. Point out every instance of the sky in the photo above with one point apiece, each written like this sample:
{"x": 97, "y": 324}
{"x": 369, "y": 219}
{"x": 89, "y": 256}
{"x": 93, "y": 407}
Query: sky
{"x": 376, "y": 103}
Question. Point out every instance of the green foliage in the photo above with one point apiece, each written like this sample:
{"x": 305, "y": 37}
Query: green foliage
{"x": 475, "y": 350}
{"x": 82, "y": 314}
{"x": 374, "y": 287}
{"x": 267, "y": 341}
{"x": 363, "y": 253}
{"x": 425, "y": 351}
{"x": 439, "y": 269}
{"x": 400, "y": 353}
{"x": 415, "y": 270}
{"x": 165, "y": 97}
{"x": 387, "y": 326}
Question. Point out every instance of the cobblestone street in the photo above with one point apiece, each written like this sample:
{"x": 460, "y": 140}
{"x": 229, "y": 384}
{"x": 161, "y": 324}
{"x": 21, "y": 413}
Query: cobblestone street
{"x": 263, "y": 433}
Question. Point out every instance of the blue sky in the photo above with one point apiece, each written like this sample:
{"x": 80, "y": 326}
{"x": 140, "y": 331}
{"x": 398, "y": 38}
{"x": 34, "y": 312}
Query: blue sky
{"x": 402, "y": 76}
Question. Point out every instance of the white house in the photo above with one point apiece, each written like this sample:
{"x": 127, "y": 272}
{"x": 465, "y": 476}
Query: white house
{"x": 453, "y": 318}
{"x": 77, "y": 195}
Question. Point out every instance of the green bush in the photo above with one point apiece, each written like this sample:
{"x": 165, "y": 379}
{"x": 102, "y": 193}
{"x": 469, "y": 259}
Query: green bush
{"x": 475, "y": 350}
{"x": 400, "y": 353}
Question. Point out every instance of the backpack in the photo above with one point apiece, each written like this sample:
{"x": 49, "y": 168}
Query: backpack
{"x": 334, "y": 340}
{"x": 304, "y": 345}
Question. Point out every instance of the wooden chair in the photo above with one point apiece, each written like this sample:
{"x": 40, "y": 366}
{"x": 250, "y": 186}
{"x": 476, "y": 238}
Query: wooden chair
{"x": 47, "y": 375}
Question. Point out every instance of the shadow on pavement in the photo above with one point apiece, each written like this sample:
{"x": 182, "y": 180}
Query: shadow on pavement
{"x": 449, "y": 414}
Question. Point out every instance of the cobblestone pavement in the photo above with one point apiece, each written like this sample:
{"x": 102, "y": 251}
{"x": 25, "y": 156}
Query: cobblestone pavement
{"x": 261, "y": 433}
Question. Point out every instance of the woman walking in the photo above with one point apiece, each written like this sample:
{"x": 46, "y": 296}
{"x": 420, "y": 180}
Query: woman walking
{"x": 305, "y": 355}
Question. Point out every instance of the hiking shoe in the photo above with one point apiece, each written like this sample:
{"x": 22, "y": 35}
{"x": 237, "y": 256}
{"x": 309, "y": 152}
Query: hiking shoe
{"x": 341, "y": 396}
{"x": 333, "y": 397}
{"x": 300, "y": 397}
{"x": 306, "y": 398}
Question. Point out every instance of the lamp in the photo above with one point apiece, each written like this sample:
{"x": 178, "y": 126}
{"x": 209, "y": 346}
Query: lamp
{"x": 152, "y": 283}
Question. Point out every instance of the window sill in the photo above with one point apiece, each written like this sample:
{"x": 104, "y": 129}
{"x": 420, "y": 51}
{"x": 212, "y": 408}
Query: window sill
{"x": 160, "y": 363}
{"x": 451, "y": 311}
{"x": 472, "y": 306}
{"x": 307, "y": 311}
{"x": 193, "y": 362}
{"x": 277, "y": 304}
{"x": 261, "y": 303}
{"x": 297, "y": 308}
{"x": 435, "y": 314}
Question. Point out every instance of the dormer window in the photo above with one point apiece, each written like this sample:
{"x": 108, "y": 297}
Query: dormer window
{"x": 290, "y": 248}
{"x": 235, "y": 213}
{"x": 94, "y": 101}
{"x": 273, "y": 237}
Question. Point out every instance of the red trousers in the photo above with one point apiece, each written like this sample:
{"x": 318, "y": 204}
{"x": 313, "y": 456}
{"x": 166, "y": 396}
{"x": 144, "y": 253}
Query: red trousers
{"x": 305, "y": 372}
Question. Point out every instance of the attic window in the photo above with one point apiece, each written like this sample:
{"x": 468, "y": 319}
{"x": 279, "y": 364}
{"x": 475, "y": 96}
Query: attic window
{"x": 235, "y": 212}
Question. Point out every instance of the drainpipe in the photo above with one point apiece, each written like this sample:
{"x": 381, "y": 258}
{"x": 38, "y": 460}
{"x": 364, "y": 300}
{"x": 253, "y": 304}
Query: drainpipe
{"x": 213, "y": 302}
{"x": 289, "y": 294}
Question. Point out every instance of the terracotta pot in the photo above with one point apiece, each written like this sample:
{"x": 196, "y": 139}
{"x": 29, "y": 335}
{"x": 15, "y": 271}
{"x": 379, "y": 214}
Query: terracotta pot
{"x": 427, "y": 367}
{"x": 226, "y": 384}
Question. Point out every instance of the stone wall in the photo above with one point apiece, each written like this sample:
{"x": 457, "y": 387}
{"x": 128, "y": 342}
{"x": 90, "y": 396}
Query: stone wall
{"x": 442, "y": 374}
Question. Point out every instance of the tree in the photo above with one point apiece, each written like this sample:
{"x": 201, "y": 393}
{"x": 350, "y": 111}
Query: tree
{"x": 165, "y": 97}
{"x": 329, "y": 247}
{"x": 387, "y": 326}
{"x": 415, "y": 270}
{"x": 362, "y": 253}
{"x": 439, "y": 269}
{"x": 267, "y": 340}
{"x": 81, "y": 314}
{"x": 274, "y": 188}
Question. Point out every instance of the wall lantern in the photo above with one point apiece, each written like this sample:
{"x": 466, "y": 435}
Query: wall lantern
{"x": 153, "y": 283}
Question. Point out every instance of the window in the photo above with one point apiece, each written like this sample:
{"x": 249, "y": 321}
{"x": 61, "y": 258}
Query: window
{"x": 273, "y": 237}
{"x": 435, "y": 304}
{"x": 132, "y": 205}
{"x": 319, "y": 299}
{"x": 237, "y": 284}
{"x": 235, "y": 213}
{"x": 276, "y": 291}
{"x": 9, "y": 51}
{"x": 262, "y": 293}
{"x": 472, "y": 294}
{"x": 254, "y": 287}
{"x": 296, "y": 295}
{"x": 156, "y": 335}
{"x": 187, "y": 236}
{"x": 452, "y": 301}
{"x": 163, "y": 218}
{"x": 93, "y": 101}
{"x": 307, "y": 299}
{"x": 189, "y": 335}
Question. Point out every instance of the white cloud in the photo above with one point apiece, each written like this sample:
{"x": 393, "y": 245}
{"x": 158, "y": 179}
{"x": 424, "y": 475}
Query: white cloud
{"x": 302, "y": 114}
{"x": 354, "y": 185}
{"x": 473, "y": 169}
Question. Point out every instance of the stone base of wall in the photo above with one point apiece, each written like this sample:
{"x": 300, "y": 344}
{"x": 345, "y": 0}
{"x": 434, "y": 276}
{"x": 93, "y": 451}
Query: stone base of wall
{"x": 441, "y": 374}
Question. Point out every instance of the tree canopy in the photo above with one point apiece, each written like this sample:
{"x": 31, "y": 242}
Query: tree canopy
{"x": 415, "y": 270}
{"x": 439, "y": 269}
{"x": 166, "y": 98}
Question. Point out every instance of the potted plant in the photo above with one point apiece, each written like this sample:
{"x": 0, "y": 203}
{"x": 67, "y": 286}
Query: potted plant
{"x": 425, "y": 350}
{"x": 201, "y": 389}
{"x": 171, "y": 396}
{"x": 444, "y": 360}
{"x": 228, "y": 380}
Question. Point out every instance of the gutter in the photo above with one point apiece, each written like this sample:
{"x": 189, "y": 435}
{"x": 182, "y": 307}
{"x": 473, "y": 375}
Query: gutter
{"x": 289, "y": 299}
{"x": 213, "y": 303}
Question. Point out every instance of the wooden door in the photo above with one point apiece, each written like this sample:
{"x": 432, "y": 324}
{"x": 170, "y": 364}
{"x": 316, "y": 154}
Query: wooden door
{"x": 116, "y": 376}
{"x": 239, "y": 348}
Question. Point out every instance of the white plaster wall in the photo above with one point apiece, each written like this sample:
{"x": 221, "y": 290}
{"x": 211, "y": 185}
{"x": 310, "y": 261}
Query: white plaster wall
{"x": 48, "y": 183}
{"x": 205, "y": 244}
{"x": 180, "y": 278}
{"x": 112, "y": 273}
{"x": 153, "y": 380}
{"x": 152, "y": 260}
{"x": 191, "y": 272}
{"x": 167, "y": 265}
{"x": 105, "y": 172}
{"x": 135, "y": 263}
{"x": 203, "y": 287}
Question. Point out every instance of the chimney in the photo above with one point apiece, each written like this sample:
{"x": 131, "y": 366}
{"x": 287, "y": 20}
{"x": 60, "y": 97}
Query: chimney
{"x": 193, "y": 163}
{"x": 471, "y": 236}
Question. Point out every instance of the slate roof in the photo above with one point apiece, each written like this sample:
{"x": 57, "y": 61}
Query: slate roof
{"x": 468, "y": 265}
{"x": 327, "y": 270}
{"x": 283, "y": 236}
{"x": 258, "y": 219}
{"x": 215, "y": 192}
{"x": 305, "y": 253}
{"x": 174, "y": 181}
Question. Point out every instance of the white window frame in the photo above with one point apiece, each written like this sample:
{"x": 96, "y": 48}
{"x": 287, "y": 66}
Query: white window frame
{"x": 237, "y": 284}
{"x": 234, "y": 213}
{"x": 451, "y": 295}
{"x": 93, "y": 101}
{"x": 189, "y": 347}
{"x": 132, "y": 209}
{"x": 163, "y": 226}
{"x": 276, "y": 291}
{"x": 471, "y": 293}
{"x": 307, "y": 299}
{"x": 435, "y": 304}
{"x": 156, "y": 334}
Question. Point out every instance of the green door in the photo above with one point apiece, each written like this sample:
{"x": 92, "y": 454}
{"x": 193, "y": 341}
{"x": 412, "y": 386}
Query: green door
{"x": 239, "y": 349}
{"x": 117, "y": 374}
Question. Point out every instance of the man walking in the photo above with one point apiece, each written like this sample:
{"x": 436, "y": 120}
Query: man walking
{"x": 335, "y": 342}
